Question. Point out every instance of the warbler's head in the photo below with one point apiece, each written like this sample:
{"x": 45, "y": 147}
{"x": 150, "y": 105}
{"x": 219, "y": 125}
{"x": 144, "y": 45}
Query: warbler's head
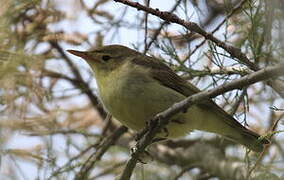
{"x": 106, "y": 58}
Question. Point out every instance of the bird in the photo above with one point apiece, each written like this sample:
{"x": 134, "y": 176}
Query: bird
{"x": 134, "y": 87}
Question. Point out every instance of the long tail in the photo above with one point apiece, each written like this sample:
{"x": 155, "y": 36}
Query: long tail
{"x": 249, "y": 139}
{"x": 215, "y": 119}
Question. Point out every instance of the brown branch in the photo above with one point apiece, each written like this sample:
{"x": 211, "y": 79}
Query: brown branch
{"x": 162, "y": 119}
{"x": 240, "y": 99}
{"x": 56, "y": 75}
{"x": 108, "y": 170}
{"x": 170, "y": 17}
{"x": 110, "y": 140}
{"x": 157, "y": 31}
{"x": 237, "y": 8}
{"x": 79, "y": 82}
{"x": 64, "y": 132}
{"x": 67, "y": 165}
{"x": 209, "y": 71}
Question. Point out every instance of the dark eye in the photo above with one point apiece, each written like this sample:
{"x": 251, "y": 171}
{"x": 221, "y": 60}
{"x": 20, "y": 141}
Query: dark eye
{"x": 106, "y": 58}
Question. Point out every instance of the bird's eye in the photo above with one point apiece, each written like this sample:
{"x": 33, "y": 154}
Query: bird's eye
{"x": 106, "y": 58}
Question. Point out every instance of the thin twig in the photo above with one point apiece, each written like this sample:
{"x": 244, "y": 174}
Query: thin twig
{"x": 79, "y": 82}
{"x": 260, "y": 157}
{"x": 146, "y": 27}
{"x": 157, "y": 31}
{"x": 237, "y": 8}
{"x": 108, "y": 170}
{"x": 110, "y": 140}
{"x": 192, "y": 26}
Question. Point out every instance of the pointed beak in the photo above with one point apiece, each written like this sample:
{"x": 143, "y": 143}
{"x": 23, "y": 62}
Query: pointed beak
{"x": 81, "y": 54}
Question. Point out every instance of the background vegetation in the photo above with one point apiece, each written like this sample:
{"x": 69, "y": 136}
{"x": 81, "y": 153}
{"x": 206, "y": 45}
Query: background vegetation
{"x": 53, "y": 127}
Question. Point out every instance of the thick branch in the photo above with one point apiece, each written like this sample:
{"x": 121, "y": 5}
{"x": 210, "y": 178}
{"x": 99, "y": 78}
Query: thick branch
{"x": 162, "y": 119}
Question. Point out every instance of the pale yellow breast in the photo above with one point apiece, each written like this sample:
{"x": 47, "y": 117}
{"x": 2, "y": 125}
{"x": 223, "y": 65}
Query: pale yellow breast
{"x": 133, "y": 97}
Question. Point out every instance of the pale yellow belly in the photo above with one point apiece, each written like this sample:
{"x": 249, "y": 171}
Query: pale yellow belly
{"x": 135, "y": 104}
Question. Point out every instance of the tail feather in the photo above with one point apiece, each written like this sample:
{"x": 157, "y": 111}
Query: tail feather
{"x": 250, "y": 139}
{"x": 224, "y": 124}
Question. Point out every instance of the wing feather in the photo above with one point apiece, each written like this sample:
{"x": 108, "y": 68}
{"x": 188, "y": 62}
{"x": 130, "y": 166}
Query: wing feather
{"x": 167, "y": 77}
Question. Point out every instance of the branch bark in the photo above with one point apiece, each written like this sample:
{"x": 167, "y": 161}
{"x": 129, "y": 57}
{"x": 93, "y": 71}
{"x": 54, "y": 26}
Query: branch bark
{"x": 170, "y": 17}
{"x": 163, "y": 118}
